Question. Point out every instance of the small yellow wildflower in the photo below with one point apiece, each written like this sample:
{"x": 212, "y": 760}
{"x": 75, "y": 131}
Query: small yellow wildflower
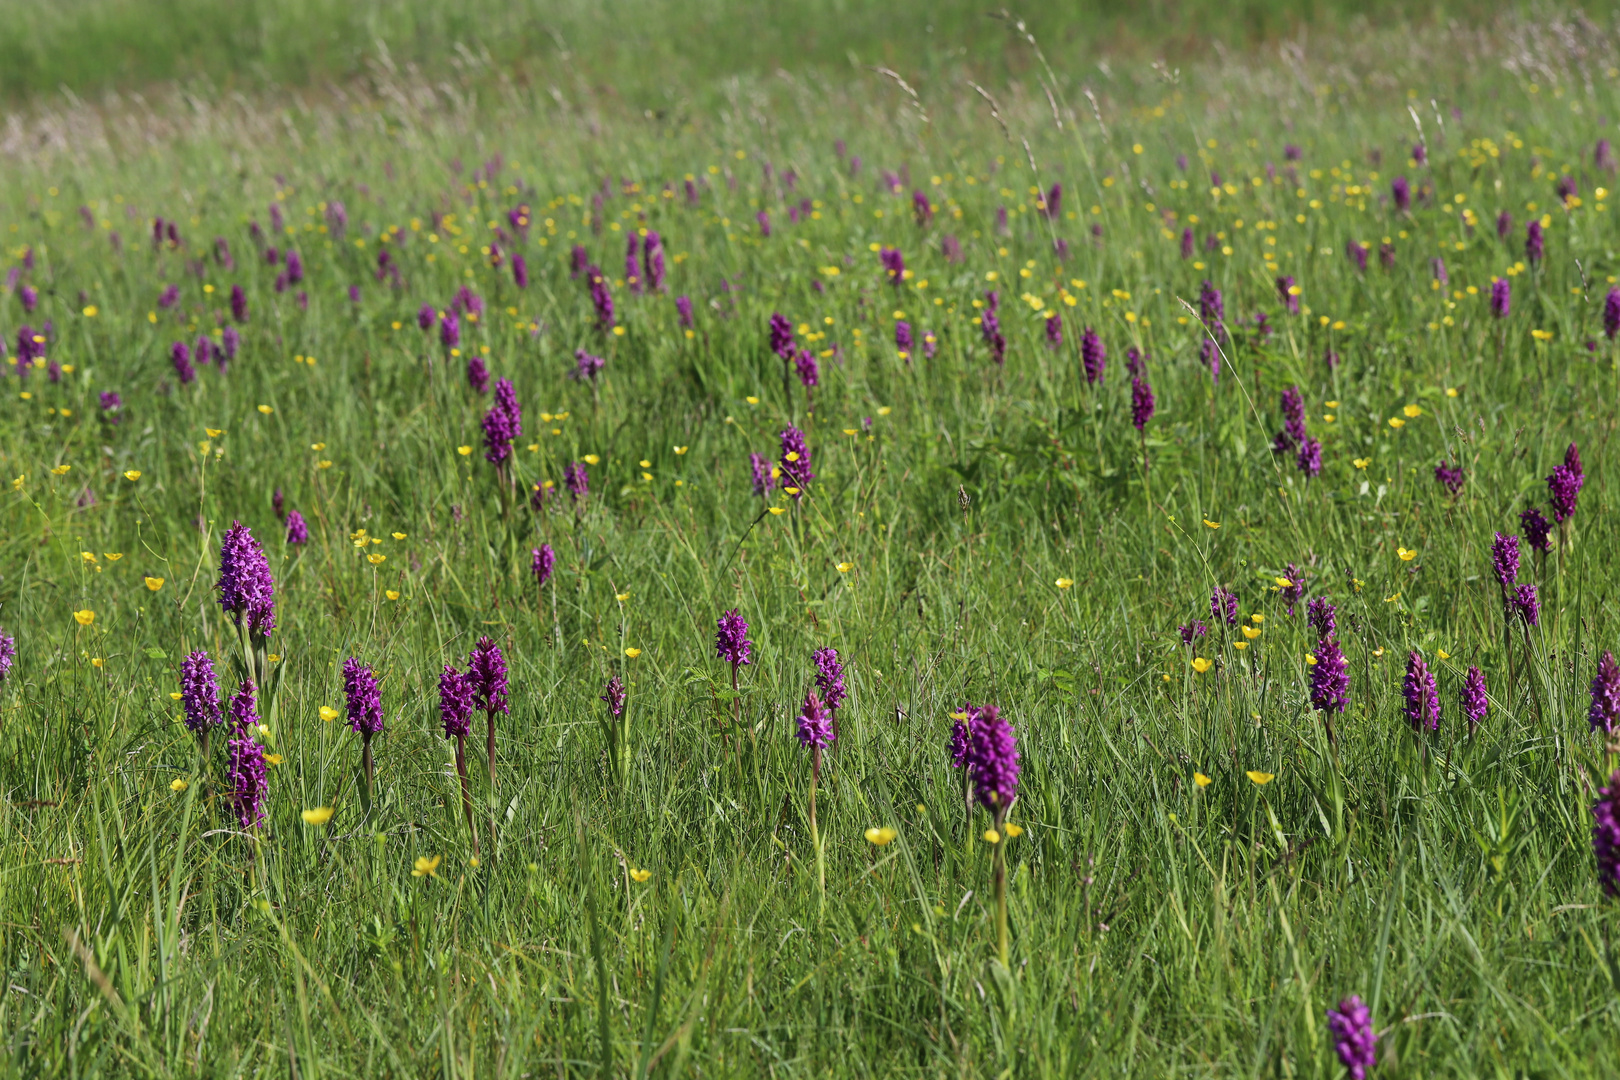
{"x": 640, "y": 876}
{"x": 1013, "y": 831}
{"x": 426, "y": 867}
{"x": 132, "y": 475}
{"x": 85, "y": 617}
{"x": 1251, "y": 632}
{"x": 1201, "y": 665}
{"x": 266, "y": 410}
{"x": 178, "y": 785}
{"x": 1406, "y": 554}
{"x": 463, "y": 450}
{"x": 154, "y": 583}
{"x": 328, "y": 713}
{"x": 1065, "y": 583}
{"x": 991, "y": 836}
{"x": 1260, "y": 779}
{"x": 880, "y": 836}
{"x": 320, "y": 815}
{"x": 632, "y": 653}
{"x": 1201, "y": 780}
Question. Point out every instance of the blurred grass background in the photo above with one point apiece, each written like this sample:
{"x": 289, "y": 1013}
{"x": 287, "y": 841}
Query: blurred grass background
{"x": 638, "y": 49}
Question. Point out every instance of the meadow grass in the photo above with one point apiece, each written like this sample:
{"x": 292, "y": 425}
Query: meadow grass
{"x": 973, "y": 532}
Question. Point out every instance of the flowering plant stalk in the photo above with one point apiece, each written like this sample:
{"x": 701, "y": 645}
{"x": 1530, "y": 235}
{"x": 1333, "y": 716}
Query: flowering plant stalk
{"x": 815, "y": 733}
{"x": 616, "y": 728}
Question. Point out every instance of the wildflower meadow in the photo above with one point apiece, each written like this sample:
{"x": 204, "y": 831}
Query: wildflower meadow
{"x": 1006, "y": 553}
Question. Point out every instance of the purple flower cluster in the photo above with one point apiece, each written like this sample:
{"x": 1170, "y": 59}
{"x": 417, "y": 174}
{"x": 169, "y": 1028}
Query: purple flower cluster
{"x": 477, "y": 374}
{"x": 731, "y": 642}
{"x": 1473, "y": 700}
{"x": 830, "y": 678}
{"x": 455, "y": 703}
{"x": 1528, "y": 604}
{"x": 782, "y": 343}
{"x": 614, "y": 696}
{"x": 1564, "y": 485}
{"x": 486, "y": 670}
{"x": 362, "y": 698}
{"x": 1611, "y": 313}
{"x": 903, "y": 340}
{"x": 8, "y": 654}
{"x": 1606, "y": 835}
{"x": 1505, "y": 560}
{"x": 601, "y": 299}
{"x": 1322, "y": 616}
{"x": 1535, "y": 242}
{"x": 1191, "y": 632}
{"x": 1143, "y": 404}
{"x": 815, "y": 724}
{"x": 683, "y": 308}
{"x": 1288, "y": 293}
{"x": 1353, "y": 1038}
{"x": 576, "y": 480}
{"x": 1422, "y": 708}
{"x": 652, "y": 261}
{"x": 179, "y": 355}
{"x": 894, "y": 265}
{"x": 542, "y": 561}
{"x": 990, "y": 327}
{"x": 1501, "y": 297}
{"x": 246, "y": 589}
{"x": 809, "y": 371}
{"x": 1223, "y": 607}
{"x": 199, "y": 692}
{"x": 248, "y": 775}
{"x": 1294, "y": 590}
{"x": 1604, "y": 714}
{"x": 1054, "y": 331}
{"x": 960, "y": 738}
{"x": 586, "y": 366}
{"x": 795, "y": 460}
{"x": 502, "y": 424}
{"x": 1092, "y": 356}
{"x": 1450, "y": 476}
{"x": 1537, "y": 529}
{"x": 763, "y": 480}
{"x": 1330, "y": 676}
{"x": 993, "y": 759}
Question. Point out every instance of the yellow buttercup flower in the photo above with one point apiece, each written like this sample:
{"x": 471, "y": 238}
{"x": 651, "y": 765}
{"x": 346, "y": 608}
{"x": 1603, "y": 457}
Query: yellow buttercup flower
{"x": 1257, "y": 618}
{"x": 592, "y": 459}
{"x": 1240, "y": 645}
{"x": 1251, "y": 632}
{"x": 1212, "y": 524}
{"x": 274, "y": 759}
{"x": 61, "y": 470}
{"x": 640, "y": 876}
{"x": 1413, "y": 411}
{"x": 266, "y": 410}
{"x": 178, "y": 785}
{"x": 845, "y": 567}
{"x": 777, "y": 509}
{"x": 132, "y": 475}
{"x": 1201, "y": 665}
{"x": 112, "y": 556}
{"x": 392, "y": 594}
{"x": 621, "y": 597}
{"x": 1284, "y": 583}
{"x": 1406, "y": 554}
{"x": 1396, "y": 422}
{"x": 1310, "y": 658}
{"x": 1201, "y": 780}
{"x": 1013, "y": 831}
{"x": 991, "y": 836}
{"x": 880, "y": 836}
{"x": 398, "y": 536}
{"x": 1361, "y": 462}
{"x": 214, "y": 432}
{"x": 1065, "y": 583}
{"x": 463, "y": 450}
{"x": 632, "y": 653}
{"x": 328, "y": 713}
{"x": 320, "y": 815}
{"x": 376, "y": 559}
{"x": 154, "y": 583}
{"x": 1443, "y": 654}
{"x": 426, "y": 867}
{"x": 85, "y": 617}
{"x": 684, "y": 449}
{"x": 1260, "y": 779}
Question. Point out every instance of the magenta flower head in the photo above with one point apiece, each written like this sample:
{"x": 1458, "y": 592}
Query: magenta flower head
{"x": 1536, "y": 528}
{"x": 763, "y": 218}
{"x": 1528, "y": 602}
{"x": 601, "y": 299}
{"x": 248, "y": 776}
{"x": 1322, "y": 615}
{"x": 1604, "y": 714}
{"x": 179, "y": 355}
{"x": 903, "y": 340}
{"x": 520, "y": 271}
{"x": 1187, "y": 243}
{"x": 1211, "y": 307}
{"x": 1309, "y": 458}
{"x": 1353, "y": 1037}
{"x": 815, "y": 726}
{"x": 239, "y": 308}
{"x": 1563, "y": 489}
{"x": 782, "y": 343}
{"x": 632, "y": 268}
{"x": 1450, "y": 477}
{"x": 362, "y": 698}
{"x": 450, "y": 331}
{"x": 1606, "y": 835}
{"x": 1505, "y": 559}
{"x": 477, "y": 374}
{"x": 830, "y": 678}
{"x": 199, "y": 693}
{"x": 230, "y": 345}
{"x": 1191, "y": 632}
{"x": 652, "y": 261}
{"x": 1473, "y": 700}
{"x": 8, "y": 656}
{"x": 1437, "y": 266}
{"x": 1400, "y": 193}
{"x": 1142, "y": 403}
{"x": 1572, "y": 462}
{"x": 761, "y": 467}
{"x": 541, "y": 564}
{"x": 731, "y": 642}
{"x": 1535, "y": 243}
{"x": 111, "y": 404}
{"x": 502, "y": 424}
{"x": 1358, "y": 254}
{"x": 1288, "y": 293}
{"x": 426, "y": 317}
{"x": 1291, "y": 593}
{"x": 1223, "y": 606}
{"x": 576, "y": 480}
{"x": 809, "y": 371}
{"x": 1054, "y": 330}
{"x": 1330, "y": 677}
{"x": 297, "y": 528}
{"x": 894, "y": 265}
{"x": 1422, "y": 708}
{"x": 586, "y": 366}
{"x": 960, "y": 740}
{"x": 246, "y": 589}
{"x": 1054, "y": 201}
{"x": 683, "y": 308}
{"x": 578, "y": 260}
{"x": 1611, "y": 313}
{"x": 486, "y": 670}
{"x": 614, "y": 696}
{"x": 1093, "y": 356}
{"x": 455, "y": 703}
{"x": 993, "y": 760}
{"x": 1501, "y": 297}
{"x": 1504, "y": 225}
{"x": 921, "y": 209}
{"x": 795, "y": 463}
